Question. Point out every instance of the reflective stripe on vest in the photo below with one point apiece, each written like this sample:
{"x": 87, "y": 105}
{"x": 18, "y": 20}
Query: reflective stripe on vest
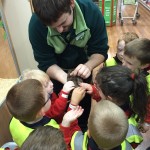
{"x": 148, "y": 83}
{"x": 133, "y": 134}
{"x": 79, "y": 141}
{"x": 20, "y": 132}
{"x": 125, "y": 145}
{"x": 110, "y": 62}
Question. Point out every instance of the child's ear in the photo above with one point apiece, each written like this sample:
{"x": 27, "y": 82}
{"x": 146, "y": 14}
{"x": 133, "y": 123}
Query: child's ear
{"x": 88, "y": 133}
{"x": 72, "y": 3}
{"x": 144, "y": 66}
{"x": 41, "y": 112}
{"x": 109, "y": 98}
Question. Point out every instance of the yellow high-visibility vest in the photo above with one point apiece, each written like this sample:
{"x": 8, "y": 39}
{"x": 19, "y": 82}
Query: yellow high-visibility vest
{"x": 20, "y": 132}
{"x": 110, "y": 62}
{"x": 80, "y": 142}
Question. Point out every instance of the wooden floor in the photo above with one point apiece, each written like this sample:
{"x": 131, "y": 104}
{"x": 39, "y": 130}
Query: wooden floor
{"x": 7, "y": 67}
{"x": 142, "y": 28}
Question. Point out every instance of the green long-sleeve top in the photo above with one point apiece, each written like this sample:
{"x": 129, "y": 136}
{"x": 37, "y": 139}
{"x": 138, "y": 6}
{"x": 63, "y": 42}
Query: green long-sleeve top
{"x": 88, "y": 36}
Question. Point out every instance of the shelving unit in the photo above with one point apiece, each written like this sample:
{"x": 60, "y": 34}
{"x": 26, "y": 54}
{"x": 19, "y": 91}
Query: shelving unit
{"x": 145, "y": 3}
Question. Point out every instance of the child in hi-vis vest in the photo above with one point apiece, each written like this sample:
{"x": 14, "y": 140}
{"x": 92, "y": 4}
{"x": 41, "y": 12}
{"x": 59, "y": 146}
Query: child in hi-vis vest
{"x": 59, "y": 103}
{"x": 28, "y": 102}
{"x": 137, "y": 58}
{"x": 122, "y": 41}
{"x": 117, "y": 83}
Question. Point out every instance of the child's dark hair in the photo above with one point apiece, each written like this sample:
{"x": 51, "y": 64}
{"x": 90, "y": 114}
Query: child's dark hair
{"x": 140, "y": 49}
{"x": 120, "y": 82}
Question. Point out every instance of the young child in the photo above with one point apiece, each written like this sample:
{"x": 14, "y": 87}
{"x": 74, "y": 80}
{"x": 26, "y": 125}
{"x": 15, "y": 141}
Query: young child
{"x": 107, "y": 128}
{"x": 123, "y": 40}
{"x": 137, "y": 55}
{"x": 117, "y": 83}
{"x": 137, "y": 58}
{"x": 59, "y": 103}
{"x": 28, "y": 102}
{"x": 45, "y": 138}
{"x": 50, "y": 138}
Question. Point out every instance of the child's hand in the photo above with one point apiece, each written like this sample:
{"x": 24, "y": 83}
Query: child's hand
{"x": 143, "y": 127}
{"x": 87, "y": 87}
{"x": 68, "y": 86}
{"x": 77, "y": 95}
{"x": 71, "y": 116}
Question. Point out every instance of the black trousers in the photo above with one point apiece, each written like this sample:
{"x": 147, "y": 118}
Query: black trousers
{"x": 85, "y": 103}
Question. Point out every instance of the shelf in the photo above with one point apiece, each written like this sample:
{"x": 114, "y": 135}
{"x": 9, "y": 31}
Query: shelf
{"x": 145, "y": 4}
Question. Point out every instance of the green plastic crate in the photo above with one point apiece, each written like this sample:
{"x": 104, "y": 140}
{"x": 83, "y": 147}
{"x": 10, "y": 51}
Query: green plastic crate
{"x": 109, "y": 11}
{"x": 129, "y": 2}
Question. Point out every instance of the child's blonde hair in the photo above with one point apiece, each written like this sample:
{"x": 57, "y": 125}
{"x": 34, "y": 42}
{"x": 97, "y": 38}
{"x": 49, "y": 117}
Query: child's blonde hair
{"x": 128, "y": 36}
{"x": 35, "y": 74}
{"x": 108, "y": 124}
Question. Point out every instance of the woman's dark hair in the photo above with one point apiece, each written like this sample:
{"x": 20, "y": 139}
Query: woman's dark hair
{"x": 120, "y": 82}
{"x": 49, "y": 11}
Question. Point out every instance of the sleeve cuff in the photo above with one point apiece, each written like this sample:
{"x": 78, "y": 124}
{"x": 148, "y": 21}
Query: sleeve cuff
{"x": 71, "y": 106}
{"x": 146, "y": 124}
{"x": 95, "y": 94}
{"x": 63, "y": 94}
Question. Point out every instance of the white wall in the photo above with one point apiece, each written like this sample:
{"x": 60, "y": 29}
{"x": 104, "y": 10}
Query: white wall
{"x": 18, "y": 13}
